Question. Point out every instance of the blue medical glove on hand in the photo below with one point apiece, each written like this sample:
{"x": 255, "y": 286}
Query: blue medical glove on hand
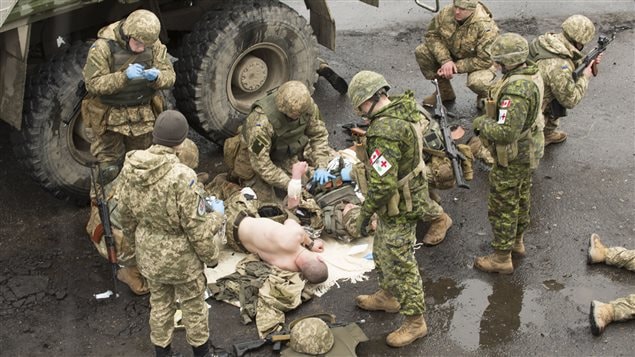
{"x": 134, "y": 71}
{"x": 346, "y": 173}
{"x": 151, "y": 74}
{"x": 321, "y": 176}
{"x": 218, "y": 206}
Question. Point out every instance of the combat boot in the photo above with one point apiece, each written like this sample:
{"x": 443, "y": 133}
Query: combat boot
{"x": 413, "y": 327}
{"x": 202, "y": 350}
{"x": 498, "y": 262}
{"x": 597, "y": 250}
{"x": 438, "y": 228}
{"x": 447, "y": 94}
{"x": 480, "y": 151}
{"x": 519, "y": 247}
{"x": 600, "y": 316}
{"x": 381, "y": 300}
{"x": 165, "y": 352}
{"x": 133, "y": 278}
{"x": 555, "y": 137}
{"x": 338, "y": 83}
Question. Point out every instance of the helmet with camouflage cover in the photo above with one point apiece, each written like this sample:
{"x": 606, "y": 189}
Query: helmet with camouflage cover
{"x": 364, "y": 85}
{"x": 466, "y": 4}
{"x": 142, "y": 25}
{"x": 311, "y": 336}
{"x": 294, "y": 99}
{"x": 188, "y": 154}
{"x": 579, "y": 29}
{"x": 509, "y": 49}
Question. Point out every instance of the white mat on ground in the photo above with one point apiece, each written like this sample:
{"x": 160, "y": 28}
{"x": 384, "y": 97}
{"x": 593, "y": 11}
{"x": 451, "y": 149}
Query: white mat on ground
{"x": 346, "y": 262}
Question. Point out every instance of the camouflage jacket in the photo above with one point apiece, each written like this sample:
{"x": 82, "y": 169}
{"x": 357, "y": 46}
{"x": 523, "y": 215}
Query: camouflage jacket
{"x": 258, "y": 135}
{"x": 162, "y": 211}
{"x": 466, "y": 44}
{"x": 518, "y": 107}
{"x": 100, "y": 80}
{"x": 391, "y": 145}
{"x": 557, "y": 70}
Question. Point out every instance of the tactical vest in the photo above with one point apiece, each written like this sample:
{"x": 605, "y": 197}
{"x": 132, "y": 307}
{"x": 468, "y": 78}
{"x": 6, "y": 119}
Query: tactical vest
{"x": 289, "y": 138}
{"x": 532, "y": 130}
{"x": 137, "y": 91}
{"x": 403, "y": 183}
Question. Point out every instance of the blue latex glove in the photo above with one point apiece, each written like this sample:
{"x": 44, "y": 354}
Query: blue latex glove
{"x": 134, "y": 71}
{"x": 151, "y": 74}
{"x": 346, "y": 173}
{"x": 321, "y": 176}
{"x": 218, "y": 206}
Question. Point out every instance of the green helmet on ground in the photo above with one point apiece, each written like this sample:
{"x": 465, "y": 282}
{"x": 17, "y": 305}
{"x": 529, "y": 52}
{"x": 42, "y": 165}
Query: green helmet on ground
{"x": 294, "y": 99}
{"x": 364, "y": 85}
{"x": 509, "y": 49}
{"x": 579, "y": 29}
{"x": 311, "y": 336}
{"x": 142, "y": 25}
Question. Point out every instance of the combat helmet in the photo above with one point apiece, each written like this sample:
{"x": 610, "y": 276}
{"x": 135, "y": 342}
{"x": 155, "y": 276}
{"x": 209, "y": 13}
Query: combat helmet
{"x": 188, "y": 154}
{"x": 509, "y": 49}
{"x": 578, "y": 28}
{"x": 142, "y": 25}
{"x": 364, "y": 85}
{"x": 311, "y": 336}
{"x": 294, "y": 99}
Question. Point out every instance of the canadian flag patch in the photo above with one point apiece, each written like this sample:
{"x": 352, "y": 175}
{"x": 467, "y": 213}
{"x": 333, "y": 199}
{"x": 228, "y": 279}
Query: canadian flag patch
{"x": 381, "y": 165}
{"x": 376, "y": 154}
{"x": 502, "y": 116}
{"x": 505, "y": 103}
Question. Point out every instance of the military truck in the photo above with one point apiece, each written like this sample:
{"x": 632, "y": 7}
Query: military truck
{"x": 229, "y": 53}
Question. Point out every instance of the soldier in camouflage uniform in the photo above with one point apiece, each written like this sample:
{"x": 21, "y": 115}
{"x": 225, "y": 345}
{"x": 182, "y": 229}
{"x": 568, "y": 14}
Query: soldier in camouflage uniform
{"x": 124, "y": 71}
{"x": 163, "y": 215}
{"x": 557, "y": 56}
{"x": 284, "y": 127}
{"x": 456, "y": 42}
{"x": 512, "y": 129}
{"x": 621, "y": 309}
{"x": 398, "y": 194}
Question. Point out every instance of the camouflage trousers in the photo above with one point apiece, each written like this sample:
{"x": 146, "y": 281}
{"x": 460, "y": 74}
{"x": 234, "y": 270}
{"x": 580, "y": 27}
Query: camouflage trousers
{"x": 112, "y": 146}
{"x": 508, "y": 203}
{"x": 163, "y": 305}
{"x": 551, "y": 123}
{"x": 396, "y": 266}
{"x": 477, "y": 81}
{"x": 624, "y": 308}
{"x": 621, "y": 258}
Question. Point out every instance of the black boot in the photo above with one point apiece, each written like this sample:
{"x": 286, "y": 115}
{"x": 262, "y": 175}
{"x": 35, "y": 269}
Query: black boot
{"x": 165, "y": 352}
{"x": 202, "y": 350}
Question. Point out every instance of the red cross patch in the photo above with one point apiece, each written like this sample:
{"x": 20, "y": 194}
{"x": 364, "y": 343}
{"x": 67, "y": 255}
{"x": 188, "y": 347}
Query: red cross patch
{"x": 381, "y": 165}
{"x": 502, "y": 116}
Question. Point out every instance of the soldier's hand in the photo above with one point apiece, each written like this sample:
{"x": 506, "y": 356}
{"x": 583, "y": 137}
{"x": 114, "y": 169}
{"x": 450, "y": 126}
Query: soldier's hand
{"x": 321, "y": 176}
{"x": 134, "y": 71}
{"x": 151, "y": 74}
{"x": 447, "y": 70}
{"x": 318, "y": 245}
{"x": 588, "y": 71}
{"x": 346, "y": 173}
{"x": 294, "y": 190}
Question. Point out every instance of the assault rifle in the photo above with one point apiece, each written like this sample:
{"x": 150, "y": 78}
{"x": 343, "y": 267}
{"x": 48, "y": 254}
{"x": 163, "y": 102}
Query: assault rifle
{"x": 80, "y": 93}
{"x": 104, "y": 216}
{"x": 275, "y": 338}
{"x": 451, "y": 151}
{"x": 603, "y": 43}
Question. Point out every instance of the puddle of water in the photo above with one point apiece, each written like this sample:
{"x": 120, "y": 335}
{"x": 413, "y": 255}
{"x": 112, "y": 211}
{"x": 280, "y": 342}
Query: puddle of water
{"x": 469, "y": 307}
{"x": 501, "y": 318}
{"x": 552, "y": 285}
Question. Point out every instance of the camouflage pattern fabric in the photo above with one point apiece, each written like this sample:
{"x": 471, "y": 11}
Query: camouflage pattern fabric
{"x": 142, "y": 25}
{"x": 259, "y": 134}
{"x": 112, "y": 146}
{"x": 294, "y": 99}
{"x": 163, "y": 212}
{"x": 192, "y": 304}
{"x": 466, "y": 44}
{"x": 557, "y": 73}
{"x": 280, "y": 292}
{"x": 312, "y": 336}
{"x": 100, "y": 80}
{"x": 621, "y": 257}
{"x": 624, "y": 308}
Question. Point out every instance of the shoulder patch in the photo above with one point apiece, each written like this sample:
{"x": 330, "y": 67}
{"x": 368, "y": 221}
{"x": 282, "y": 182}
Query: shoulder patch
{"x": 502, "y": 116}
{"x": 375, "y": 155}
{"x": 258, "y": 145}
{"x": 381, "y": 165}
{"x": 200, "y": 210}
{"x": 564, "y": 67}
{"x": 505, "y": 103}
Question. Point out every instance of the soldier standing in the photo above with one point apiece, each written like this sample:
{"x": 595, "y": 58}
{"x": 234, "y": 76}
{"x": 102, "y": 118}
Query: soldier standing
{"x": 512, "y": 129}
{"x": 557, "y": 56}
{"x": 456, "y": 42}
{"x": 621, "y": 309}
{"x": 284, "y": 127}
{"x": 125, "y": 69}
{"x": 398, "y": 194}
{"x": 163, "y": 215}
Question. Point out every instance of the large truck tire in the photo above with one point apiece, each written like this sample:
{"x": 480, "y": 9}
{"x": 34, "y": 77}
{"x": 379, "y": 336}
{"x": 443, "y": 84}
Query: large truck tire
{"x": 233, "y": 56}
{"x": 52, "y": 144}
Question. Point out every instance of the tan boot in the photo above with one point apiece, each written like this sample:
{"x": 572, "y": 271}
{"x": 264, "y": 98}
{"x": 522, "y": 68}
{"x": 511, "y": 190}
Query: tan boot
{"x": 480, "y": 151}
{"x": 600, "y": 316}
{"x": 499, "y": 262}
{"x": 133, "y": 278}
{"x": 597, "y": 250}
{"x": 413, "y": 328}
{"x": 438, "y": 228}
{"x": 555, "y": 137}
{"x": 381, "y": 300}
{"x": 447, "y": 94}
{"x": 519, "y": 247}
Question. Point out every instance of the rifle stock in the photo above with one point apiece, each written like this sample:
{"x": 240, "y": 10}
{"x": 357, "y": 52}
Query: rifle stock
{"x": 452, "y": 152}
{"x": 274, "y": 339}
